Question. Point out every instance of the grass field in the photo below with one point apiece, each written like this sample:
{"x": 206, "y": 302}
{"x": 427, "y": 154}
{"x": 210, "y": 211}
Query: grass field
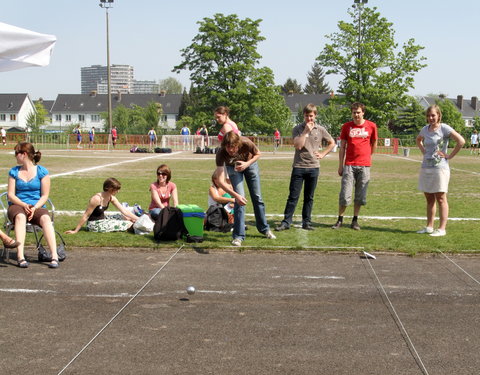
{"x": 76, "y": 175}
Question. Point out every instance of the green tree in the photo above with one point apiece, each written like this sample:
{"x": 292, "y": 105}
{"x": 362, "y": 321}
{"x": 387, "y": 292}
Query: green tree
{"x": 372, "y": 68}
{"x": 316, "y": 81}
{"x": 222, "y": 62}
{"x": 37, "y": 118}
{"x": 451, "y": 115}
{"x": 410, "y": 120}
{"x": 291, "y": 86}
{"x": 171, "y": 85}
{"x": 333, "y": 116}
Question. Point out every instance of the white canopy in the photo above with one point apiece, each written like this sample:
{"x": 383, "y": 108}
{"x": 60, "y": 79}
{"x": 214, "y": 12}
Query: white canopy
{"x": 21, "y": 48}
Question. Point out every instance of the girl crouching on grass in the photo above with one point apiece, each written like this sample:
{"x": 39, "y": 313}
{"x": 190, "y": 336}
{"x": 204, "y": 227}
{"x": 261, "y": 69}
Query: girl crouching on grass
{"x": 95, "y": 217}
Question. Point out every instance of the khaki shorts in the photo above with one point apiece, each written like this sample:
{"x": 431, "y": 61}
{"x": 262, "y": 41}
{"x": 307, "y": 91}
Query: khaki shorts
{"x": 358, "y": 177}
{"x": 15, "y": 209}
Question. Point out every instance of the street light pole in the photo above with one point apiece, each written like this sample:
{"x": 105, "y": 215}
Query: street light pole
{"x": 107, "y": 4}
{"x": 359, "y": 6}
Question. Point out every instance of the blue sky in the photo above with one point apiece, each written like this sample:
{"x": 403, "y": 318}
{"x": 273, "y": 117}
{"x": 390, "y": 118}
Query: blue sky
{"x": 149, "y": 35}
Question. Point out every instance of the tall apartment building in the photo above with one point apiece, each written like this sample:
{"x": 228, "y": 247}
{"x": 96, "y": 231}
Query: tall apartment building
{"x": 95, "y": 78}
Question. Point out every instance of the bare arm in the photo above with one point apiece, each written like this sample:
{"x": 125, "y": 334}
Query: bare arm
{"x": 175, "y": 197}
{"x": 341, "y": 156}
{"x": 220, "y": 174}
{"x": 217, "y": 197}
{"x": 328, "y": 148}
{"x": 124, "y": 211}
{"x": 92, "y": 203}
{"x": 419, "y": 142}
{"x": 460, "y": 142}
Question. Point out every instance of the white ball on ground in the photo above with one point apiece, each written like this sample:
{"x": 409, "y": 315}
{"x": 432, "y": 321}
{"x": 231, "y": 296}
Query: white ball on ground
{"x": 190, "y": 289}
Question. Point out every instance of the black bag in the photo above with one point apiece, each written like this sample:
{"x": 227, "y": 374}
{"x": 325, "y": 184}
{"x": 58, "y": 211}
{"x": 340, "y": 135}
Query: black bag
{"x": 217, "y": 219}
{"x": 45, "y": 256}
{"x": 169, "y": 225}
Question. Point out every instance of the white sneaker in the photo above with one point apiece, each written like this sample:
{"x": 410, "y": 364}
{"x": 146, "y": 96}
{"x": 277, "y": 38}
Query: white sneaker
{"x": 428, "y": 230}
{"x": 270, "y": 235}
{"x": 237, "y": 242}
{"x": 438, "y": 233}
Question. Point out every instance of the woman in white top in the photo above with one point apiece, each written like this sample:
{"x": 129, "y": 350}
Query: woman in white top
{"x": 435, "y": 172}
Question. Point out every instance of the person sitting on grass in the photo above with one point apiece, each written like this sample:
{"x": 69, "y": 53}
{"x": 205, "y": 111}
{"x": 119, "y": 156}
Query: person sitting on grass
{"x": 28, "y": 191}
{"x": 95, "y": 217}
{"x": 216, "y": 195}
{"x": 161, "y": 191}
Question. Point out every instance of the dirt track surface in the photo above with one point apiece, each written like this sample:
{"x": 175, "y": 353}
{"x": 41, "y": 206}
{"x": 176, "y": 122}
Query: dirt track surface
{"x": 252, "y": 313}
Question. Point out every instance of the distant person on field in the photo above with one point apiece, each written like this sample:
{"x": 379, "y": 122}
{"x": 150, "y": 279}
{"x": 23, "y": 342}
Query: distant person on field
{"x": 185, "y": 133}
{"x": 474, "y": 142}
{"x": 204, "y": 134}
{"x": 222, "y": 114}
{"x": 95, "y": 216}
{"x": 238, "y": 155}
{"x": 91, "y": 137}
{"x": 435, "y": 171}
{"x": 78, "y": 133}
{"x": 152, "y": 137}
{"x": 307, "y": 140}
{"x": 162, "y": 192}
{"x": 114, "y": 136}
{"x": 3, "y": 133}
{"x": 276, "y": 138}
{"x": 358, "y": 141}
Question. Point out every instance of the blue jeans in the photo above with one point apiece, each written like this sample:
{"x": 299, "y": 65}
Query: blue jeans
{"x": 252, "y": 177}
{"x": 299, "y": 176}
{"x": 155, "y": 213}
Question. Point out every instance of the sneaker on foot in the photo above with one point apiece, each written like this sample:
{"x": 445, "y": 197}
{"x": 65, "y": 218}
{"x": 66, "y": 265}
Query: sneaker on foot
{"x": 438, "y": 233}
{"x": 281, "y": 227}
{"x": 269, "y": 235}
{"x": 337, "y": 225}
{"x": 237, "y": 242}
{"x": 355, "y": 225}
{"x": 428, "y": 230}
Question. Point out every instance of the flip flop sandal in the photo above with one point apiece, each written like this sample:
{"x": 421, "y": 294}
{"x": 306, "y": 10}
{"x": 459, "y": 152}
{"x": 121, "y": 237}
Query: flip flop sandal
{"x": 22, "y": 263}
{"x": 11, "y": 244}
{"x": 53, "y": 264}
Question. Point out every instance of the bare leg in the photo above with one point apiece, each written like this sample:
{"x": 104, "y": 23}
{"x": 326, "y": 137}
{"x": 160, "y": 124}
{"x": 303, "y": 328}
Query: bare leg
{"x": 443, "y": 207}
{"x": 49, "y": 233}
{"x": 431, "y": 208}
{"x": 20, "y": 233}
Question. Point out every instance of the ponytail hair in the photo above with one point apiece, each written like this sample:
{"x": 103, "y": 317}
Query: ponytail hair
{"x": 27, "y": 148}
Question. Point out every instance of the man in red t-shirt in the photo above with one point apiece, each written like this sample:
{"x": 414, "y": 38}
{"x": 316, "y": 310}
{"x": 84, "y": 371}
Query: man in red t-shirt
{"x": 358, "y": 143}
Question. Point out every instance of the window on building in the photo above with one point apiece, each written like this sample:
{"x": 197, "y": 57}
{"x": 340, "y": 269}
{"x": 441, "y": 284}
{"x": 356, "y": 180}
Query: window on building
{"x": 95, "y": 118}
{"x": 81, "y": 118}
{"x": 13, "y": 117}
{"x": 163, "y": 118}
{"x": 58, "y": 117}
{"x": 3, "y": 117}
{"x": 68, "y": 118}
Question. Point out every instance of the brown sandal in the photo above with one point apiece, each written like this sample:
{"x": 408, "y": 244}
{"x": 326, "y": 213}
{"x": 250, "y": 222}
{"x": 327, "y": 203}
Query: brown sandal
{"x": 11, "y": 244}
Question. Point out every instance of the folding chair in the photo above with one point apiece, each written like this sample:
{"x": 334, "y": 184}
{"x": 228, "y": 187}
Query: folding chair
{"x": 43, "y": 254}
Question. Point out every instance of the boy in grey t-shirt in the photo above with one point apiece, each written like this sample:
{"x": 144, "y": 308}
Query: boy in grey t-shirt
{"x": 307, "y": 140}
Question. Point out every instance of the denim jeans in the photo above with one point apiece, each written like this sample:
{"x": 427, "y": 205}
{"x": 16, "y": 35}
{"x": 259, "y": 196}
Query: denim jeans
{"x": 252, "y": 178}
{"x": 299, "y": 176}
{"x": 155, "y": 213}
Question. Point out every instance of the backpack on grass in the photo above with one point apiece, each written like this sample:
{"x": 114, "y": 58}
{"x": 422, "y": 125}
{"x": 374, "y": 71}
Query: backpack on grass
{"x": 216, "y": 219}
{"x": 169, "y": 226}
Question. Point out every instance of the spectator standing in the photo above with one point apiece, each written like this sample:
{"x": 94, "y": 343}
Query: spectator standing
{"x": 3, "y": 133}
{"x": 91, "y": 137}
{"x": 222, "y": 114}
{"x": 307, "y": 140}
{"x": 435, "y": 171}
{"x": 358, "y": 141}
{"x": 474, "y": 142}
{"x": 185, "y": 133}
{"x": 114, "y": 136}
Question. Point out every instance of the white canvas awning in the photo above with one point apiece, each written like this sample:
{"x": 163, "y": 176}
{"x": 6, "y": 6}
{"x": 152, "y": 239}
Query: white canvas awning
{"x": 21, "y": 48}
